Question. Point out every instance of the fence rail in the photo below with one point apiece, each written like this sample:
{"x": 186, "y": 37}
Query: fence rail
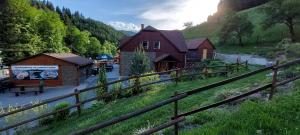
{"x": 177, "y": 97}
{"x": 77, "y": 93}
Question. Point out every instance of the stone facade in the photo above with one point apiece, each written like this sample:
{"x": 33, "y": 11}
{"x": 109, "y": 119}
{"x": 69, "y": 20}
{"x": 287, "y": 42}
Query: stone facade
{"x": 126, "y": 58}
{"x": 69, "y": 75}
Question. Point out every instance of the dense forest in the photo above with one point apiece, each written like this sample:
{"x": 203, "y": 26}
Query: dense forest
{"x": 237, "y": 5}
{"x": 29, "y": 27}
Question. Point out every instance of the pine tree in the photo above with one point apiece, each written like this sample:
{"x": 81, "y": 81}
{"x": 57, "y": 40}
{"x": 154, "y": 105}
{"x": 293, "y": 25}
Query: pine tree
{"x": 140, "y": 63}
{"x": 102, "y": 81}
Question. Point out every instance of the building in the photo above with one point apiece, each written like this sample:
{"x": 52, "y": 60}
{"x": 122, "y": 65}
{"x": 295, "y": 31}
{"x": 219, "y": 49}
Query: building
{"x": 56, "y": 69}
{"x": 165, "y": 49}
{"x": 200, "y": 49}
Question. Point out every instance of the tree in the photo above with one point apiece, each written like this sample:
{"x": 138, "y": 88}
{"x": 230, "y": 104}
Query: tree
{"x": 93, "y": 48}
{"x": 188, "y": 24}
{"x": 283, "y": 12}
{"x": 140, "y": 62}
{"x": 236, "y": 26}
{"x": 109, "y": 48}
{"x": 102, "y": 81}
{"x": 53, "y": 32}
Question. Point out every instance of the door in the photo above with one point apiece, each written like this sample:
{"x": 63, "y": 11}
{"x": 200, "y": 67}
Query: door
{"x": 204, "y": 54}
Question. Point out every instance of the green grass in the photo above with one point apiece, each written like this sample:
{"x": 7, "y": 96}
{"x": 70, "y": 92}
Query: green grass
{"x": 281, "y": 116}
{"x": 260, "y": 43}
{"x": 102, "y": 112}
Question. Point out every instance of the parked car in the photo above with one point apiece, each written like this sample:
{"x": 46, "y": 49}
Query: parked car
{"x": 109, "y": 66}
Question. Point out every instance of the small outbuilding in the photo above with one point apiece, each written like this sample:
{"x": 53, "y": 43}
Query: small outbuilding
{"x": 56, "y": 69}
{"x": 200, "y": 49}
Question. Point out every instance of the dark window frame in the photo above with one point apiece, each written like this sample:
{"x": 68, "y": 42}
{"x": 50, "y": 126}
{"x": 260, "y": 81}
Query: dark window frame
{"x": 155, "y": 47}
{"x": 143, "y": 45}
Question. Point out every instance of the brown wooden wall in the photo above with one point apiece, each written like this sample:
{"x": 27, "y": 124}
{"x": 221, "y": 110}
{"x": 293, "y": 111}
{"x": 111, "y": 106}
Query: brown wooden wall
{"x": 44, "y": 60}
{"x": 210, "y": 49}
{"x": 165, "y": 45}
{"x": 205, "y": 45}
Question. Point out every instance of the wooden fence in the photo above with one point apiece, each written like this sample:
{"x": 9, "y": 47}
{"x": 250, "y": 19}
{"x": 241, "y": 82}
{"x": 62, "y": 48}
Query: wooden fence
{"x": 137, "y": 85}
{"x": 177, "y": 118}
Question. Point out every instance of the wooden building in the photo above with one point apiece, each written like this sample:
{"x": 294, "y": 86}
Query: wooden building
{"x": 166, "y": 49}
{"x": 200, "y": 49}
{"x": 56, "y": 69}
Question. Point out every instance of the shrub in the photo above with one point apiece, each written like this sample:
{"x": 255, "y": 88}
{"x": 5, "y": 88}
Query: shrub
{"x": 61, "y": 115}
{"x": 117, "y": 88}
{"x": 46, "y": 121}
{"x": 140, "y": 63}
{"x": 102, "y": 81}
{"x": 293, "y": 50}
{"x": 149, "y": 79}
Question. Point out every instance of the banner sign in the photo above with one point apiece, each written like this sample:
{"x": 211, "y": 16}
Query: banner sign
{"x": 35, "y": 72}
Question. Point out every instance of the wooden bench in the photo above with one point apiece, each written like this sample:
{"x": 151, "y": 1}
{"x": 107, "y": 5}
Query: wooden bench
{"x": 23, "y": 91}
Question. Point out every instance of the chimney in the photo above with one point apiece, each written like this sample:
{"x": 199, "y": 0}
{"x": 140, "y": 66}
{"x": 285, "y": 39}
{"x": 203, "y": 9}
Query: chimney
{"x": 142, "y": 26}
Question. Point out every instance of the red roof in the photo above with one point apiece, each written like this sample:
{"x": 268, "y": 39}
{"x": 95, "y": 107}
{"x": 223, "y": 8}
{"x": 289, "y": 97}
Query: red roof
{"x": 174, "y": 36}
{"x": 196, "y": 43}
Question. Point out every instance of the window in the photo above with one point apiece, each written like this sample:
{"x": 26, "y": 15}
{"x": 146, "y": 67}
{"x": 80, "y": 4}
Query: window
{"x": 157, "y": 45}
{"x": 145, "y": 44}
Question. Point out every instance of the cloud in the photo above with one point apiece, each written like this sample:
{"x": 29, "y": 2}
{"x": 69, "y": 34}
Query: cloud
{"x": 124, "y": 26}
{"x": 172, "y": 14}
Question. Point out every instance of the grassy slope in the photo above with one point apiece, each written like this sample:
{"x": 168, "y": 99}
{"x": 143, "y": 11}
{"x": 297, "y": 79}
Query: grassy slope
{"x": 281, "y": 116}
{"x": 267, "y": 38}
{"x": 122, "y": 106}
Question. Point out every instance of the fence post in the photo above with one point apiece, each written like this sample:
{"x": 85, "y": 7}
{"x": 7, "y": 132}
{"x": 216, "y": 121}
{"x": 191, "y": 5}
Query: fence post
{"x": 77, "y": 101}
{"x": 177, "y": 76}
{"x": 176, "y": 126}
{"x": 274, "y": 80}
{"x": 226, "y": 70}
{"x": 137, "y": 84}
{"x": 205, "y": 71}
{"x": 237, "y": 64}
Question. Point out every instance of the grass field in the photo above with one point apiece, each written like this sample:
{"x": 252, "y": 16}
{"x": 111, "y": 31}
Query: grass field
{"x": 101, "y": 112}
{"x": 281, "y": 116}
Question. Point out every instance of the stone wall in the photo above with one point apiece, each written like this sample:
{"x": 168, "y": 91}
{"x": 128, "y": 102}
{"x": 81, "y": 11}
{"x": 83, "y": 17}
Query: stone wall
{"x": 126, "y": 58}
{"x": 69, "y": 75}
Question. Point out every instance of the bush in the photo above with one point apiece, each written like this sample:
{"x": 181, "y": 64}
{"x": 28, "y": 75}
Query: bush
{"x": 62, "y": 115}
{"x": 149, "y": 79}
{"x": 293, "y": 50}
{"x": 140, "y": 62}
{"x": 46, "y": 121}
{"x": 102, "y": 81}
{"x": 117, "y": 88}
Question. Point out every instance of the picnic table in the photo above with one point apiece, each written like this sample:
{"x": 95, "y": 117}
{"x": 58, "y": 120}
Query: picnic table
{"x": 22, "y": 89}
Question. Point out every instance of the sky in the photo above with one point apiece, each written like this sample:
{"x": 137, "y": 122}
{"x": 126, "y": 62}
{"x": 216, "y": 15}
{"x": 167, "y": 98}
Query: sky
{"x": 130, "y": 14}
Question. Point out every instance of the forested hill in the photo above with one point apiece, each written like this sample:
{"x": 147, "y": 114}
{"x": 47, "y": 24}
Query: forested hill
{"x": 30, "y": 27}
{"x": 256, "y": 30}
{"x": 98, "y": 29}
{"x": 237, "y": 5}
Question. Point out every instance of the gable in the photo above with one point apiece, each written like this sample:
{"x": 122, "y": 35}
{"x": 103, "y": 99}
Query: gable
{"x": 195, "y": 44}
{"x": 150, "y": 36}
{"x": 175, "y": 38}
